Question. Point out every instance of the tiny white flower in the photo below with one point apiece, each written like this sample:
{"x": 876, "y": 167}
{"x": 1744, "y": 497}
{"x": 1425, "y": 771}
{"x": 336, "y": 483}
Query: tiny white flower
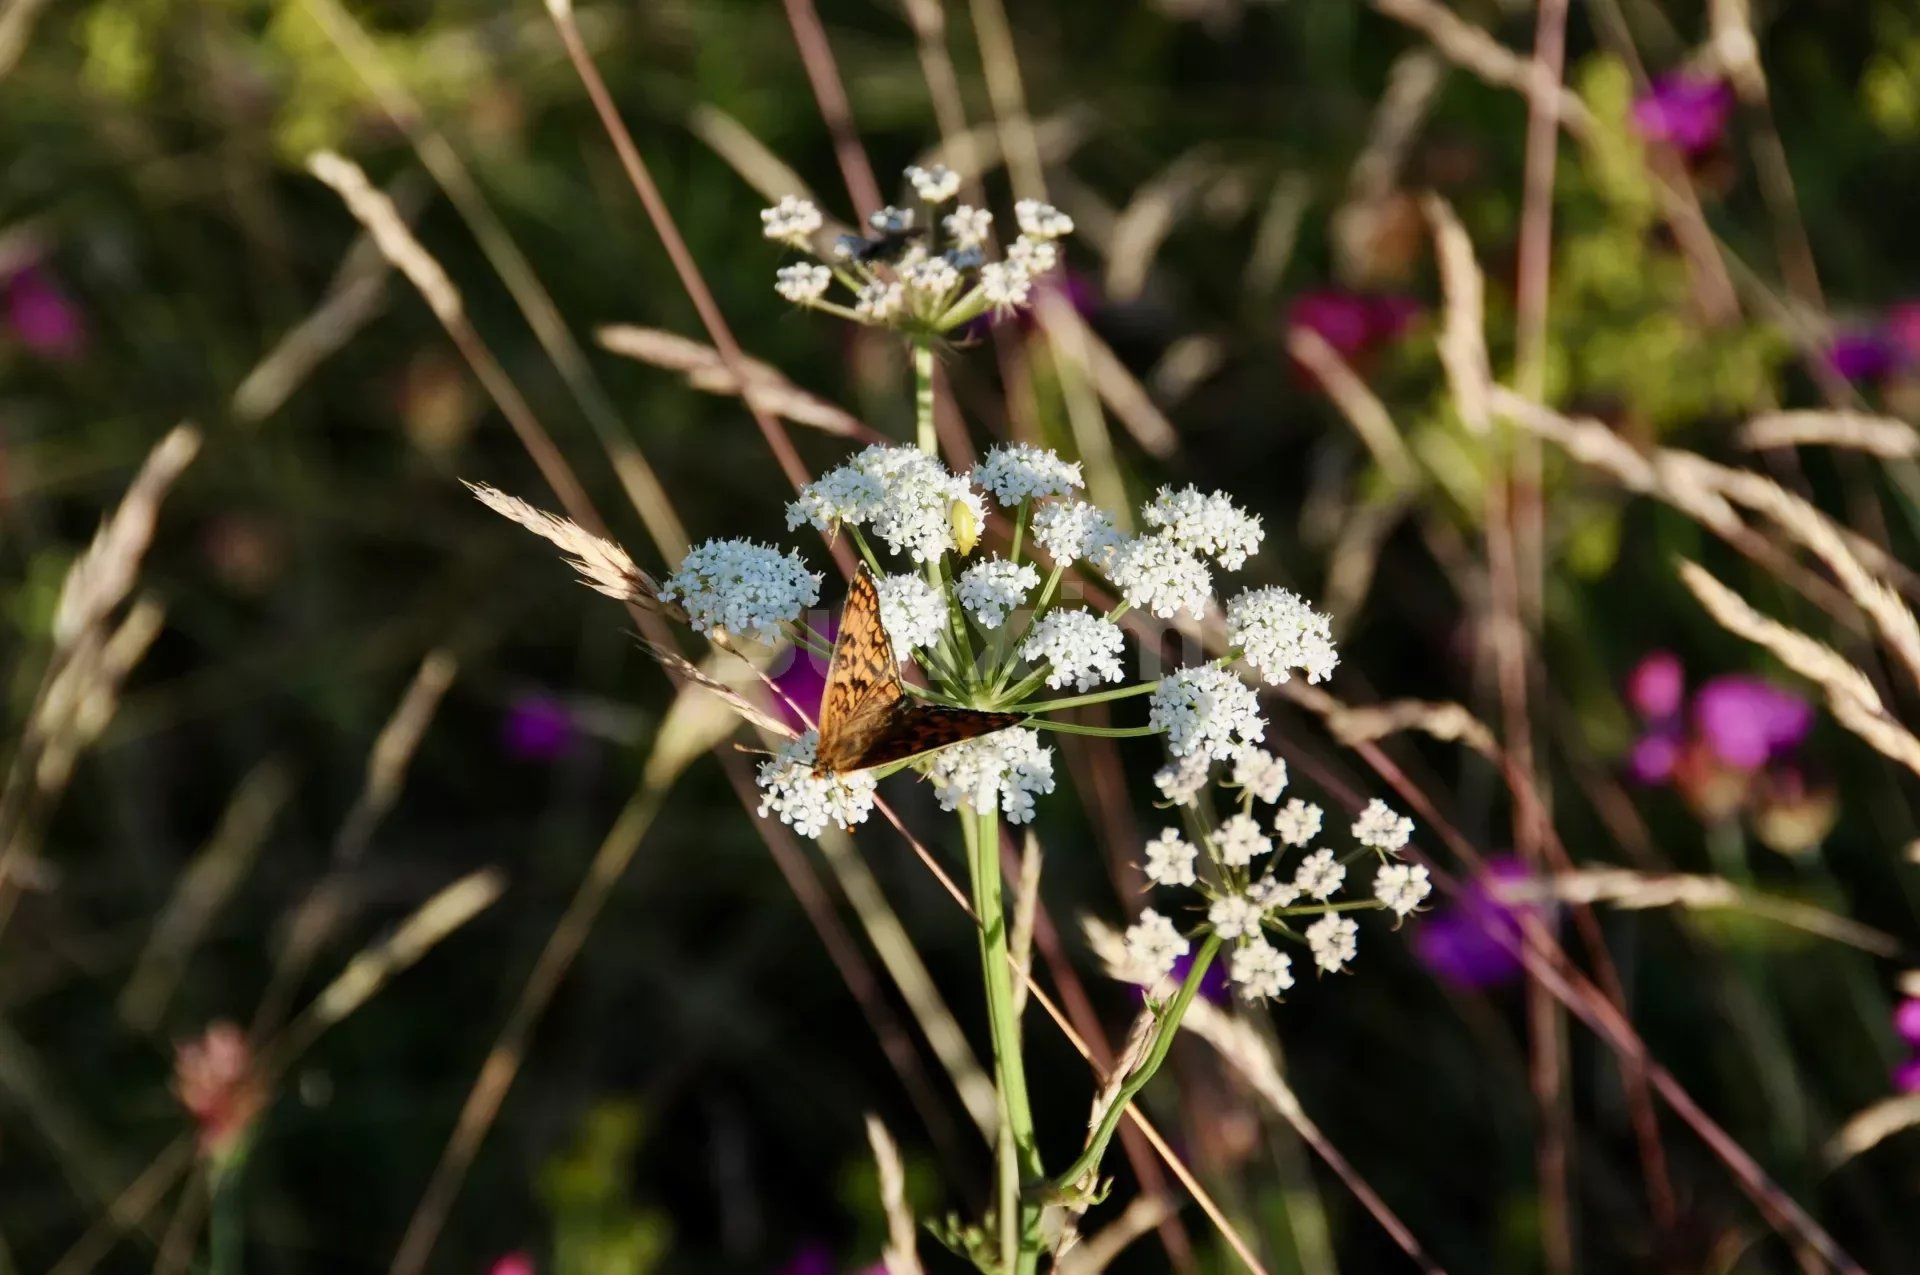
{"x": 1260, "y": 773}
{"x": 905, "y": 495}
{"x": 1072, "y": 530}
{"x": 1183, "y": 779}
{"x": 1279, "y": 632}
{"x": 1076, "y": 646}
{"x": 1014, "y": 472}
{"x": 802, "y": 283}
{"x": 1206, "y": 710}
{"x": 790, "y": 221}
{"x": 1240, "y": 841}
{"x": 936, "y": 185}
{"x": 1170, "y": 859}
{"x": 891, "y": 220}
{"x": 1402, "y": 886}
{"x": 1271, "y": 892}
{"x": 913, "y": 612}
{"x": 1320, "y": 874}
{"x": 930, "y": 277}
{"x": 1381, "y": 829}
{"x": 1298, "y": 822}
{"x": 739, "y": 587}
{"x": 1234, "y": 915}
{"x": 1041, "y": 220}
{"x": 807, "y": 801}
{"x": 879, "y": 301}
{"x": 1159, "y": 576}
{"x": 1011, "y": 763}
{"x": 1153, "y": 945}
{"x": 1206, "y": 523}
{"x": 1334, "y": 940}
{"x": 1032, "y": 256}
{"x": 1005, "y": 285}
{"x": 968, "y": 226}
{"x": 990, "y": 589}
{"x": 1261, "y": 970}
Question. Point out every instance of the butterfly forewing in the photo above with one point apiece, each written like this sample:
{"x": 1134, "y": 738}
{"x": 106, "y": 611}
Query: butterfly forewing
{"x": 866, "y": 718}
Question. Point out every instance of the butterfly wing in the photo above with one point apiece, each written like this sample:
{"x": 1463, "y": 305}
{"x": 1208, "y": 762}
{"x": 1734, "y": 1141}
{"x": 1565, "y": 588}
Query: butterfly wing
{"x": 863, "y": 682}
{"x": 911, "y": 729}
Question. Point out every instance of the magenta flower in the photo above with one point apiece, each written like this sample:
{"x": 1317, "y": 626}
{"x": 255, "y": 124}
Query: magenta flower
{"x": 1901, "y": 326}
{"x": 1352, "y": 323}
{"x": 1906, "y": 1077}
{"x": 1686, "y": 112}
{"x": 809, "y": 1259}
{"x": 513, "y": 1264}
{"x": 538, "y": 728}
{"x": 1748, "y": 722}
{"x": 802, "y": 682}
{"x": 1866, "y": 355}
{"x": 1906, "y": 1020}
{"x": 1214, "y": 986}
{"x": 1466, "y": 942}
{"x": 42, "y": 317}
{"x": 1657, "y": 686}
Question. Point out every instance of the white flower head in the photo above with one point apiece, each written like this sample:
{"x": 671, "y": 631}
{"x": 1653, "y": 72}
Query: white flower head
{"x": 968, "y": 226}
{"x": 809, "y": 802}
{"x": 1298, "y": 822}
{"x": 1041, "y": 220}
{"x": 1234, "y": 915}
{"x": 739, "y": 587}
{"x": 1271, "y": 892}
{"x": 905, "y": 495}
{"x": 1076, "y": 646}
{"x": 1260, "y": 773}
{"x": 1260, "y": 970}
{"x": 802, "y": 283}
{"x": 936, "y": 185}
{"x": 1402, "y": 886}
{"x": 1005, "y": 285}
{"x": 879, "y": 301}
{"x": 1011, "y": 765}
{"x": 1170, "y": 859}
{"x": 891, "y": 220}
{"x": 1240, "y": 841}
{"x": 1206, "y": 710}
{"x": 1334, "y": 940}
{"x": 1014, "y": 472}
{"x": 930, "y": 278}
{"x": 1072, "y": 530}
{"x": 1320, "y": 874}
{"x": 913, "y": 612}
{"x": 991, "y": 588}
{"x": 1159, "y": 576}
{"x": 1207, "y": 523}
{"x": 1183, "y": 779}
{"x": 792, "y": 221}
{"x": 1381, "y": 829}
{"x": 1280, "y": 632}
{"x": 1032, "y": 256}
{"x": 1153, "y": 945}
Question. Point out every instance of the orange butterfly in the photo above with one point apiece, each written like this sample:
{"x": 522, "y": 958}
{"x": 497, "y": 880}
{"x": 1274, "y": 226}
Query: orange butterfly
{"x": 866, "y": 718}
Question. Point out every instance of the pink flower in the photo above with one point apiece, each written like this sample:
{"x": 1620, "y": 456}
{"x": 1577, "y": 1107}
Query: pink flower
{"x": 1906, "y": 1077}
{"x": 42, "y": 317}
{"x": 1686, "y": 112}
{"x": 514, "y": 1264}
{"x": 1657, "y": 686}
{"x": 538, "y": 728}
{"x": 1748, "y": 722}
{"x": 1906, "y": 1020}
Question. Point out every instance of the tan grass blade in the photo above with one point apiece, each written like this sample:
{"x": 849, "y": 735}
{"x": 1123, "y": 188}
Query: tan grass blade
{"x": 102, "y": 577}
{"x": 902, "y": 1252}
{"x": 1881, "y": 436}
{"x": 604, "y": 565}
{"x": 1098, "y": 1251}
{"x": 1463, "y": 342}
{"x": 705, "y": 371}
{"x": 1867, "y": 1129}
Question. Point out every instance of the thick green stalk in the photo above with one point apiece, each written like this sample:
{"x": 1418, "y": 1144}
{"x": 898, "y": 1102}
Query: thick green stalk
{"x": 923, "y": 397}
{"x": 1019, "y": 1161}
{"x": 1089, "y": 1160}
{"x": 1091, "y": 697}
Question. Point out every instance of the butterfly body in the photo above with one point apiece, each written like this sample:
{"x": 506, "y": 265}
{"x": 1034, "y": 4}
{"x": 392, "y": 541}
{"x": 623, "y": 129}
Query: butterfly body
{"x": 866, "y": 717}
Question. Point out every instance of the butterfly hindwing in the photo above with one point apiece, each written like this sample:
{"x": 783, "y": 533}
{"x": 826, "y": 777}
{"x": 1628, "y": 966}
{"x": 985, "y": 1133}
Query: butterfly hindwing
{"x": 863, "y": 681}
{"x": 866, "y": 718}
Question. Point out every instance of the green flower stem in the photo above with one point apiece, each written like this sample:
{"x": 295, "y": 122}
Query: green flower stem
{"x": 225, "y": 1231}
{"x": 1019, "y": 1153}
{"x": 923, "y": 396}
{"x": 1317, "y": 909}
{"x": 866, "y": 550}
{"x": 1019, "y": 530}
{"x": 1091, "y": 697}
{"x": 1107, "y": 732}
{"x": 1089, "y": 1160}
{"x": 803, "y": 635}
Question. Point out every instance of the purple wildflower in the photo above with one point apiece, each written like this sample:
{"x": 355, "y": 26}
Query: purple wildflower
{"x": 1466, "y": 941}
{"x": 1865, "y": 355}
{"x": 1213, "y": 987}
{"x": 42, "y": 317}
{"x": 802, "y": 682}
{"x": 513, "y": 1264}
{"x": 1686, "y": 112}
{"x": 809, "y": 1259}
{"x": 1657, "y": 686}
{"x": 537, "y": 728}
{"x": 1748, "y": 722}
{"x": 1906, "y": 1020}
{"x": 1654, "y": 756}
{"x": 1906, "y": 1077}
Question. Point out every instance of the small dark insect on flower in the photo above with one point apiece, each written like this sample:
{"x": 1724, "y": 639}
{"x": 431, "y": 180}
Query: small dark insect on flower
{"x": 887, "y": 246}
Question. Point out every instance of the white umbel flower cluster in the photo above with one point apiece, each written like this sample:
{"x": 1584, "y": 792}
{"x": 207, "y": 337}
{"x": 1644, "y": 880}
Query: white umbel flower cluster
{"x": 1170, "y": 859}
{"x": 1279, "y": 633}
{"x": 993, "y": 589}
{"x": 1207, "y": 523}
{"x": 1075, "y": 646}
{"x": 1381, "y": 828}
{"x": 1333, "y": 940}
{"x": 1320, "y": 875}
{"x": 968, "y": 226}
{"x": 1161, "y": 577}
{"x": 1298, "y": 822}
{"x": 1240, "y": 841}
{"x": 802, "y": 283}
{"x": 904, "y": 495}
{"x": 1010, "y": 764}
{"x": 1206, "y": 710}
{"x": 1260, "y": 970}
{"x": 1041, "y": 220}
{"x": 1235, "y": 916}
{"x": 1152, "y": 946}
{"x": 809, "y": 802}
{"x": 936, "y": 185}
{"x": 913, "y": 612}
{"x": 1017, "y": 471}
{"x": 792, "y": 221}
{"x": 1074, "y": 530}
{"x": 1183, "y": 779}
{"x": 1260, "y": 774}
{"x": 1402, "y": 886}
{"x": 739, "y": 587}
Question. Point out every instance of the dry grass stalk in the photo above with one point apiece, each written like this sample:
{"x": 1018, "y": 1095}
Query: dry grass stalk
{"x": 1357, "y": 402}
{"x": 393, "y": 751}
{"x": 1881, "y": 436}
{"x": 376, "y": 211}
{"x": 1127, "y": 399}
{"x": 1637, "y": 891}
{"x": 1463, "y": 342}
{"x": 1026, "y": 912}
{"x": 745, "y": 708}
{"x": 746, "y": 154}
{"x": 1412, "y": 81}
{"x": 901, "y": 1256}
{"x": 84, "y": 694}
{"x": 103, "y": 576}
{"x": 705, "y": 371}
{"x": 1448, "y": 722}
{"x": 1098, "y": 1251}
{"x": 1850, "y": 694}
{"x": 1869, "y": 1128}
{"x": 602, "y": 564}
{"x": 1152, "y": 213}
{"x": 1469, "y": 47}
